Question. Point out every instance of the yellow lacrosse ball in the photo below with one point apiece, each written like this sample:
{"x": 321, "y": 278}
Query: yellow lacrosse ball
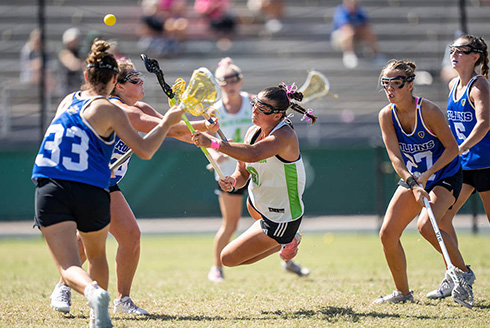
{"x": 109, "y": 19}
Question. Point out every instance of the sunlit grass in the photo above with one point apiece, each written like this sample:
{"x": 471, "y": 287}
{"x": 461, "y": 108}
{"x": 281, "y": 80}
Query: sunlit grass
{"x": 348, "y": 272}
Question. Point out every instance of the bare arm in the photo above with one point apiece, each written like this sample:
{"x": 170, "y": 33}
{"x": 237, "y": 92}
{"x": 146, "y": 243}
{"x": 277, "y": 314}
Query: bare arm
{"x": 144, "y": 117}
{"x": 479, "y": 94}
{"x": 106, "y": 118}
{"x": 391, "y": 142}
{"x": 282, "y": 142}
{"x": 71, "y": 62}
{"x": 239, "y": 178}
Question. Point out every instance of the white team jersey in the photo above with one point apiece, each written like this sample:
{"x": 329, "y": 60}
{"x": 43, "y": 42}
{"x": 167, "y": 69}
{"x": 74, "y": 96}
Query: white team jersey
{"x": 276, "y": 186}
{"x": 234, "y": 126}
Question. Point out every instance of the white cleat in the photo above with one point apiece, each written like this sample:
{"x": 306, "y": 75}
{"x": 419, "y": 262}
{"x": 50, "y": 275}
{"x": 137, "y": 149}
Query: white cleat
{"x": 126, "y": 305}
{"x": 61, "y": 298}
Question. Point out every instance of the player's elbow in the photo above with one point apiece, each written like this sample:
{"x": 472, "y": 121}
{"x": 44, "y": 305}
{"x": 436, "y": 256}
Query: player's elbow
{"x": 145, "y": 154}
{"x": 485, "y": 125}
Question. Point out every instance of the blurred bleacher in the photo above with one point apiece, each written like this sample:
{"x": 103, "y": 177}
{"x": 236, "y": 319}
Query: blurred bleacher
{"x": 411, "y": 29}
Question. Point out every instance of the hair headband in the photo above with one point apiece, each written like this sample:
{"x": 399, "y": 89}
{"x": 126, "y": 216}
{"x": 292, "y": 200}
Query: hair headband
{"x": 103, "y": 65}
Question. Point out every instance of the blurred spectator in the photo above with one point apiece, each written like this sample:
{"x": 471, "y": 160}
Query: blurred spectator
{"x": 173, "y": 13}
{"x": 153, "y": 39}
{"x": 31, "y": 62}
{"x": 71, "y": 60}
{"x": 273, "y": 10}
{"x": 218, "y": 15}
{"x": 350, "y": 27}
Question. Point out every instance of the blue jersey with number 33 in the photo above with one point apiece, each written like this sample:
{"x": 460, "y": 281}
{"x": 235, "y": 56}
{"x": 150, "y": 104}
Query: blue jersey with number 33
{"x": 72, "y": 150}
{"x": 421, "y": 148}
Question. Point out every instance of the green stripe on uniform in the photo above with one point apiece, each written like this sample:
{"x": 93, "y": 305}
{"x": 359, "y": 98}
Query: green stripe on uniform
{"x": 291, "y": 176}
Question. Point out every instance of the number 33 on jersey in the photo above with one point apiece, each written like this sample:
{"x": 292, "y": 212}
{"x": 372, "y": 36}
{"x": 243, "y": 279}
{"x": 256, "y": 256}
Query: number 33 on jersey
{"x": 72, "y": 150}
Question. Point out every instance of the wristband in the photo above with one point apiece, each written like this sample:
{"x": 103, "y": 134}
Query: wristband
{"x": 215, "y": 144}
{"x": 411, "y": 182}
{"x": 234, "y": 182}
{"x": 232, "y": 190}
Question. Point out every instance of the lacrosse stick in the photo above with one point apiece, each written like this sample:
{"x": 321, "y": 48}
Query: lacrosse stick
{"x": 191, "y": 102}
{"x": 152, "y": 67}
{"x": 451, "y": 269}
{"x": 202, "y": 88}
{"x": 178, "y": 88}
{"x": 315, "y": 86}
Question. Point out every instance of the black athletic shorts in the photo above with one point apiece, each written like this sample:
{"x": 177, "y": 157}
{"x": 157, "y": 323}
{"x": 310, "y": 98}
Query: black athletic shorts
{"x": 61, "y": 200}
{"x": 283, "y": 233}
{"x": 453, "y": 183}
{"x": 478, "y": 179}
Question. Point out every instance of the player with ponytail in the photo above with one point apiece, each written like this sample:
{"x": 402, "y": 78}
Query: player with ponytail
{"x": 270, "y": 161}
{"x": 468, "y": 111}
{"x": 71, "y": 174}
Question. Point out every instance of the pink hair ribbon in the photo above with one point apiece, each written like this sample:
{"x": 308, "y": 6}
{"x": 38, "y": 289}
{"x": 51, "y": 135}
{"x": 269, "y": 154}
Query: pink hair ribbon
{"x": 305, "y": 115}
{"x": 290, "y": 88}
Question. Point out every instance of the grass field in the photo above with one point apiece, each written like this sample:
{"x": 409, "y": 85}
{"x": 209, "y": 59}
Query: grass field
{"x": 348, "y": 273}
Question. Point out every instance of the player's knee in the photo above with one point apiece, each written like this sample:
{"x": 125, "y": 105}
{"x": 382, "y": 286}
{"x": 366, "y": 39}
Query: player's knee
{"x": 425, "y": 228}
{"x": 387, "y": 236}
{"x": 227, "y": 259}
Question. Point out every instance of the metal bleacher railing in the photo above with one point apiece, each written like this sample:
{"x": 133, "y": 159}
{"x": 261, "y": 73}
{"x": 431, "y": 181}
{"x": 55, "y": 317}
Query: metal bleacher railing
{"x": 416, "y": 30}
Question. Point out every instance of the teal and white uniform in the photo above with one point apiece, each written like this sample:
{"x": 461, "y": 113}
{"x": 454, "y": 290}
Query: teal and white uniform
{"x": 276, "y": 186}
{"x": 234, "y": 126}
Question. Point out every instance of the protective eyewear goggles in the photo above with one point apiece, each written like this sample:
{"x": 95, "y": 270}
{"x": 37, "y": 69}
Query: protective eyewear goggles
{"x": 133, "y": 77}
{"x": 461, "y": 49}
{"x": 263, "y": 107}
{"x": 231, "y": 79}
{"x": 396, "y": 82}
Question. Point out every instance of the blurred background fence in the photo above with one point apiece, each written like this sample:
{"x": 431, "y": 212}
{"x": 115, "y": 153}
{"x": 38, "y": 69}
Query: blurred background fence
{"x": 348, "y": 171}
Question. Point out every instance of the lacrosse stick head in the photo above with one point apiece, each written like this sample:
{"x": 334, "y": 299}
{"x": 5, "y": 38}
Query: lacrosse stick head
{"x": 151, "y": 65}
{"x": 178, "y": 88}
{"x": 201, "y": 92}
{"x": 315, "y": 86}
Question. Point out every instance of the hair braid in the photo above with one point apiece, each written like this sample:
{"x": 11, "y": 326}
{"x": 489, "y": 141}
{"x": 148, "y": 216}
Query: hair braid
{"x": 484, "y": 59}
{"x": 478, "y": 44}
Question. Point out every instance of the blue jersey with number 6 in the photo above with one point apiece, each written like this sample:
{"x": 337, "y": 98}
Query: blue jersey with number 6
{"x": 72, "y": 150}
{"x": 462, "y": 120}
{"x": 421, "y": 148}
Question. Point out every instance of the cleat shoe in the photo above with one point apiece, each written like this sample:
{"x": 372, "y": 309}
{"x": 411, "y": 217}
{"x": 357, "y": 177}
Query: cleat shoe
{"x": 292, "y": 267}
{"x": 395, "y": 297}
{"x": 98, "y": 300}
{"x": 216, "y": 274}
{"x": 61, "y": 298}
{"x": 463, "y": 289}
{"x": 289, "y": 251}
{"x": 126, "y": 305}
{"x": 444, "y": 290}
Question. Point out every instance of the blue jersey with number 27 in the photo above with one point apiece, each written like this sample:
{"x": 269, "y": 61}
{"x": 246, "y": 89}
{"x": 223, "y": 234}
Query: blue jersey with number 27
{"x": 421, "y": 148}
{"x": 72, "y": 150}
